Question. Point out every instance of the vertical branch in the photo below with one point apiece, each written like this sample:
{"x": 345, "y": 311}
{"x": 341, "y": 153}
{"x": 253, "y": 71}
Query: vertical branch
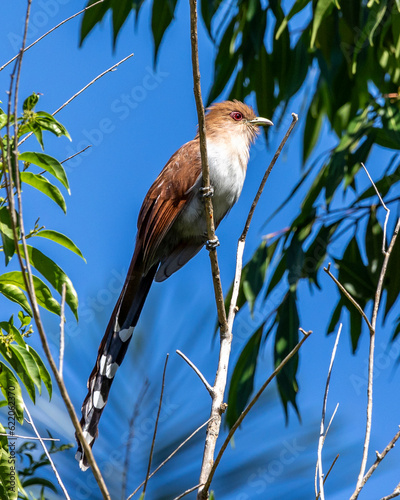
{"x": 217, "y": 407}
{"x": 322, "y": 433}
{"x": 377, "y": 300}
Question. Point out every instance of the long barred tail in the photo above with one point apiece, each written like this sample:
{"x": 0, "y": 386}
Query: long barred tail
{"x": 112, "y": 351}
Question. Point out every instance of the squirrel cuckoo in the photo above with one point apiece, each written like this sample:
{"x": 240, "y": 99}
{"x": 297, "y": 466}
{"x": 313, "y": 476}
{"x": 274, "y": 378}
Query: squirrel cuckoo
{"x": 172, "y": 230}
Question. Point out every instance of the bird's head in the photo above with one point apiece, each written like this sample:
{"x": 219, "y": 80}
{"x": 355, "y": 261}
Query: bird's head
{"x": 234, "y": 118}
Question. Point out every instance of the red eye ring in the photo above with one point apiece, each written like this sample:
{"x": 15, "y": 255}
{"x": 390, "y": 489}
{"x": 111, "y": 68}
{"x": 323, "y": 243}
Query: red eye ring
{"x": 237, "y": 116}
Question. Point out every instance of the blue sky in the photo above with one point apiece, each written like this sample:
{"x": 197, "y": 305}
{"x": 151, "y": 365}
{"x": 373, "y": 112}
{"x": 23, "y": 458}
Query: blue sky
{"x": 135, "y": 118}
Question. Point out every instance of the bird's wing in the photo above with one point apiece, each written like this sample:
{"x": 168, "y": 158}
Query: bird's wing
{"x": 167, "y": 197}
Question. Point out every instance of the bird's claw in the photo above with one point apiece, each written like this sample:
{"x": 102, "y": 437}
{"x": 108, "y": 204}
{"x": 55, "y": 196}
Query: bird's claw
{"x": 212, "y": 244}
{"x": 206, "y": 191}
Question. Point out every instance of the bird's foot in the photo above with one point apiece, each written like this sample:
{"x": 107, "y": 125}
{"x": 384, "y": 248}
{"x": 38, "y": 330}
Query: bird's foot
{"x": 206, "y": 191}
{"x": 212, "y": 244}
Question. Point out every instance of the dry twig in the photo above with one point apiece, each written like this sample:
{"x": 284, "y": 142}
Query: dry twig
{"x": 169, "y": 457}
{"x": 155, "y": 427}
{"x": 41, "y": 440}
{"x": 322, "y": 434}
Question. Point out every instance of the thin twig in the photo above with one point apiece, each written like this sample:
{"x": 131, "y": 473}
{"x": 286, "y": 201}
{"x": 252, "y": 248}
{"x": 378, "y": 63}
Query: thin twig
{"x": 27, "y": 437}
{"x": 82, "y": 90}
{"x": 50, "y": 31}
{"x": 62, "y": 323}
{"x": 197, "y": 371}
{"x": 396, "y": 493}
{"x": 295, "y": 119}
{"x": 169, "y": 457}
{"x": 322, "y": 435}
{"x": 132, "y": 420}
{"x": 378, "y": 460}
{"x": 242, "y": 238}
{"x": 78, "y": 153}
{"x": 349, "y": 296}
{"x": 30, "y": 421}
{"x": 377, "y": 300}
{"x": 236, "y": 425}
{"x": 188, "y": 491}
{"x": 329, "y": 471}
{"x": 155, "y": 427}
{"x": 383, "y": 205}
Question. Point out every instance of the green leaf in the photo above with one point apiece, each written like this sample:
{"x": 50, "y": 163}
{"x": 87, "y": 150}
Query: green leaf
{"x": 242, "y": 381}
{"x": 162, "y": 15}
{"x": 253, "y": 275}
{"x": 47, "y": 122}
{"x": 208, "y": 10}
{"x": 92, "y": 16}
{"x": 322, "y": 10}
{"x": 43, "y": 185}
{"x": 24, "y": 354}
{"x": 225, "y": 62}
{"x": 13, "y": 293}
{"x": 11, "y": 390}
{"x": 6, "y": 233}
{"x": 44, "y": 373}
{"x": 40, "y": 481}
{"x": 30, "y": 102}
{"x": 3, "y": 119}
{"x": 61, "y": 239}
{"x": 335, "y": 316}
{"x": 353, "y": 274}
{"x": 48, "y": 163}
{"x": 312, "y": 126}
{"x": 280, "y": 270}
{"x": 373, "y": 246}
{"x": 316, "y": 252}
{"x": 54, "y": 274}
{"x": 294, "y": 261}
{"x": 17, "y": 361}
{"x": 42, "y": 291}
{"x": 286, "y": 338}
{"x": 121, "y": 10}
{"x": 298, "y": 6}
{"x": 8, "y": 487}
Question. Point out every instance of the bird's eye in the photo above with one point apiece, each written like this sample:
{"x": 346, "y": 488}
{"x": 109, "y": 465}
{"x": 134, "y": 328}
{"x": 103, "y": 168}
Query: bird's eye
{"x": 237, "y": 116}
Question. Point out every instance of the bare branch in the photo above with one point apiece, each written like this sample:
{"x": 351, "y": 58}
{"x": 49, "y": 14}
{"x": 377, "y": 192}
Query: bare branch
{"x": 383, "y": 205}
{"x": 378, "y": 460}
{"x": 349, "y": 296}
{"x": 114, "y": 67}
{"x": 79, "y": 152}
{"x": 169, "y": 457}
{"x": 242, "y": 239}
{"x": 295, "y": 119}
{"x": 30, "y": 421}
{"x": 197, "y": 371}
{"x": 9, "y": 436}
{"x": 396, "y": 493}
{"x": 50, "y": 31}
{"x": 249, "y": 407}
{"x": 155, "y": 427}
{"x": 319, "y": 476}
{"x": 131, "y": 434}
{"x": 188, "y": 491}
{"x": 62, "y": 337}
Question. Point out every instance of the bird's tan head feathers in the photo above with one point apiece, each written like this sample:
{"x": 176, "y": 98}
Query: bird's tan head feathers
{"x": 233, "y": 117}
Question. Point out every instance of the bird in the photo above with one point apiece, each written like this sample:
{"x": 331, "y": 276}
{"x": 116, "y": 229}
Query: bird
{"x": 171, "y": 230}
